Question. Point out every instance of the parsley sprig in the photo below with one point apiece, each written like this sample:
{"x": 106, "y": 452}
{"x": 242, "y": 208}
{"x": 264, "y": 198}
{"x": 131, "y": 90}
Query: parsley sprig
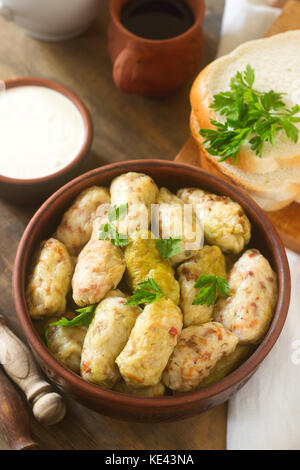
{"x": 249, "y": 114}
{"x": 117, "y": 212}
{"x": 209, "y": 287}
{"x": 108, "y": 231}
{"x": 146, "y": 293}
{"x": 169, "y": 247}
{"x": 84, "y": 318}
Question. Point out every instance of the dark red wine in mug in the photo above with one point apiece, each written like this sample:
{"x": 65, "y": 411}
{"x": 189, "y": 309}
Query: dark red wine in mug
{"x": 157, "y": 19}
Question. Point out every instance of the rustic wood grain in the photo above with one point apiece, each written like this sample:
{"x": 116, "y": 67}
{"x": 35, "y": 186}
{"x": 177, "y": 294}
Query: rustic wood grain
{"x": 189, "y": 153}
{"x": 288, "y": 20}
{"x": 14, "y": 417}
{"x": 287, "y": 220}
{"x": 126, "y": 126}
{"x": 48, "y": 407}
{"x": 280, "y": 3}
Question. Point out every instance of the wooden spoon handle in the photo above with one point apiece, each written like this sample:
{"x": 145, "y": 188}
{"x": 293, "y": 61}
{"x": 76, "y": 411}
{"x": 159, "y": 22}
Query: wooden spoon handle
{"x": 14, "y": 418}
{"x": 19, "y": 365}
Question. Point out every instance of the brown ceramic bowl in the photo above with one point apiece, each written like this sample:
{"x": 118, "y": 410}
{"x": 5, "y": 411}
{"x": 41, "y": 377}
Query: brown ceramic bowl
{"x": 32, "y": 191}
{"x": 173, "y": 175}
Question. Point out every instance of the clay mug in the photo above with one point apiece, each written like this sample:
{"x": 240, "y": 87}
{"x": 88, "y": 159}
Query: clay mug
{"x": 154, "y": 67}
{"x": 51, "y": 20}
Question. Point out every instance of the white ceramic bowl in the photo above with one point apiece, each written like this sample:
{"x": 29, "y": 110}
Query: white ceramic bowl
{"x": 51, "y": 20}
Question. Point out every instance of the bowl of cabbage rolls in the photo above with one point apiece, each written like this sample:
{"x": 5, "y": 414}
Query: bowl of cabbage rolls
{"x": 150, "y": 290}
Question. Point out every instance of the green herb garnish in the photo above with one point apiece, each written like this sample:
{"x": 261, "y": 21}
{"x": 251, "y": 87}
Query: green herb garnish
{"x": 108, "y": 232}
{"x": 46, "y": 334}
{"x": 84, "y": 318}
{"x": 250, "y": 114}
{"x": 117, "y": 212}
{"x": 146, "y": 293}
{"x": 209, "y": 286}
{"x": 169, "y": 247}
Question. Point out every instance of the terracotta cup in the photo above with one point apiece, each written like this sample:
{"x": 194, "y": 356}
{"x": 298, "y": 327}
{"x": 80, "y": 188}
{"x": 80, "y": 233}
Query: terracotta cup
{"x": 154, "y": 67}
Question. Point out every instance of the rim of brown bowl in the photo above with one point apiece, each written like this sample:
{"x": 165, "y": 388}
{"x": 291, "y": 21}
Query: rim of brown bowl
{"x": 197, "y": 8}
{"x": 233, "y": 379}
{"x": 87, "y": 123}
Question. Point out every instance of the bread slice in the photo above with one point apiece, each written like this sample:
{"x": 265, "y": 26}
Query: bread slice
{"x": 273, "y": 180}
{"x": 272, "y": 191}
{"x": 276, "y": 63}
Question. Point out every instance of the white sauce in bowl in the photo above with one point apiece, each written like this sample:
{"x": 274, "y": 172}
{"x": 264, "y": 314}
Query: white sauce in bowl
{"x": 41, "y": 132}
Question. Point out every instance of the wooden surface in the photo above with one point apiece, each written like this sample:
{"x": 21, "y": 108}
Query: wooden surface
{"x": 17, "y": 361}
{"x": 288, "y": 20}
{"x": 287, "y": 220}
{"x": 125, "y": 127}
{"x": 14, "y": 417}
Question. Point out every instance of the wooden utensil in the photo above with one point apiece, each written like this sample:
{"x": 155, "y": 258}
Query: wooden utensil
{"x": 287, "y": 220}
{"x": 18, "y": 363}
{"x": 14, "y": 417}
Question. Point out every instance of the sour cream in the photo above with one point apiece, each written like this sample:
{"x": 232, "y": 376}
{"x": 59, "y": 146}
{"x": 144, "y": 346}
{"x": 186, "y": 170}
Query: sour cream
{"x": 41, "y": 132}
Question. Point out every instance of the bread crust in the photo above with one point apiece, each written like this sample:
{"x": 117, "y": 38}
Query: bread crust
{"x": 264, "y": 198}
{"x": 201, "y": 99}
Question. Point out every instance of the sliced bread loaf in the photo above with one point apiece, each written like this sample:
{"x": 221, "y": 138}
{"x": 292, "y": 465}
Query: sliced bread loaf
{"x": 274, "y": 180}
{"x": 272, "y": 191}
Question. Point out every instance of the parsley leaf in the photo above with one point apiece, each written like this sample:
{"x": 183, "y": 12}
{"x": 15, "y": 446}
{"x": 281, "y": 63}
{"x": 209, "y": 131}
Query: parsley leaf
{"x": 117, "y": 212}
{"x": 169, "y": 247}
{"x": 108, "y": 232}
{"x": 249, "y": 114}
{"x": 84, "y": 318}
{"x": 249, "y": 76}
{"x": 46, "y": 336}
{"x": 146, "y": 293}
{"x": 209, "y": 287}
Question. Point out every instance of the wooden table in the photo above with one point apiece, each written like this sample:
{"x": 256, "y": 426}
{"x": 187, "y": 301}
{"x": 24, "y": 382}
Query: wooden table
{"x": 126, "y": 127}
